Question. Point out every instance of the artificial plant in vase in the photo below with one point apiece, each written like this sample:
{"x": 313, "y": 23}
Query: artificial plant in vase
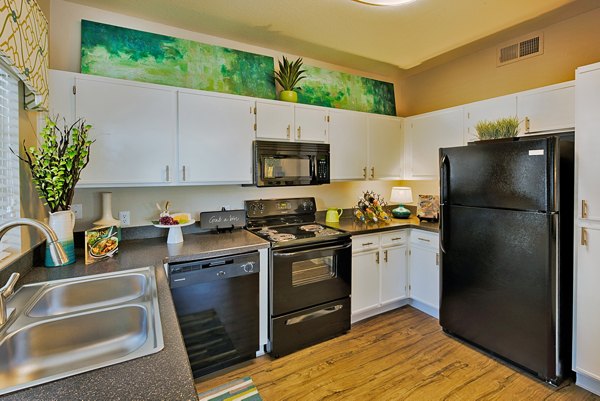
{"x": 288, "y": 76}
{"x": 56, "y": 166}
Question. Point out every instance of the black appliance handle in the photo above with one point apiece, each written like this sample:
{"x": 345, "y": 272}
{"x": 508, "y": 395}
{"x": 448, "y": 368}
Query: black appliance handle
{"x": 329, "y": 248}
{"x": 444, "y": 184}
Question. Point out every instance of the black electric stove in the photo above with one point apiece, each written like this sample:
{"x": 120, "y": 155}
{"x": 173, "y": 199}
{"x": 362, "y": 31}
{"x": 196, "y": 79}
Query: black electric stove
{"x": 310, "y": 273}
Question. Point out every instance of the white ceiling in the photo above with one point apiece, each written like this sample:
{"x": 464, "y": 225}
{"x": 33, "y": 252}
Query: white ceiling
{"x": 348, "y": 32}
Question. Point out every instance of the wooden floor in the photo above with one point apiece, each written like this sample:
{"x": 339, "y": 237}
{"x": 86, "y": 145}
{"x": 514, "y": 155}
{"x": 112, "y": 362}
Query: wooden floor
{"x": 401, "y": 355}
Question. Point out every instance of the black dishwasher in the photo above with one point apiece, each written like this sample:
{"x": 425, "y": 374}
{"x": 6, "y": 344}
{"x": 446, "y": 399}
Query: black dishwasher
{"x": 216, "y": 301}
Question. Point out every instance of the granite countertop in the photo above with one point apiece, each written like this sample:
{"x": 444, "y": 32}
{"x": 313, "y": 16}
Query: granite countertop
{"x": 165, "y": 375}
{"x": 351, "y": 225}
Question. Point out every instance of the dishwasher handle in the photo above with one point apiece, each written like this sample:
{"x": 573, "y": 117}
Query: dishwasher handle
{"x": 203, "y": 271}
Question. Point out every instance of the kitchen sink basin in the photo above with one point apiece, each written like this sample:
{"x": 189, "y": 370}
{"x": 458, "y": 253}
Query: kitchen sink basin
{"x": 66, "y": 327}
{"x": 76, "y": 296}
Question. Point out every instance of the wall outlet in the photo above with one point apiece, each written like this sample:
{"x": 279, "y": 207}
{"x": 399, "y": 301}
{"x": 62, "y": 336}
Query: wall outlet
{"x": 125, "y": 217}
{"x": 77, "y": 210}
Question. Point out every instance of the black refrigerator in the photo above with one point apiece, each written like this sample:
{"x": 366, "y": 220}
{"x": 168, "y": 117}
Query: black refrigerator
{"x": 506, "y": 247}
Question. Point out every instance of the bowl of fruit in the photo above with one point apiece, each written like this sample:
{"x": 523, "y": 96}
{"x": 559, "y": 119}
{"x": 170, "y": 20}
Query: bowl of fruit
{"x": 174, "y": 222}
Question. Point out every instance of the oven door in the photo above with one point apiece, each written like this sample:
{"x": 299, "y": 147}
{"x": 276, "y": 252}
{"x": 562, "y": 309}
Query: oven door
{"x": 309, "y": 275}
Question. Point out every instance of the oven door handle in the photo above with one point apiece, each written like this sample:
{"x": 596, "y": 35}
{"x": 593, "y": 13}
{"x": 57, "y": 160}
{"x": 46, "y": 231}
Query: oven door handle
{"x": 330, "y": 248}
{"x": 313, "y": 315}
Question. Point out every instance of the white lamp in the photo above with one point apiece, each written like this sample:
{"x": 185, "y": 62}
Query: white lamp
{"x": 401, "y": 195}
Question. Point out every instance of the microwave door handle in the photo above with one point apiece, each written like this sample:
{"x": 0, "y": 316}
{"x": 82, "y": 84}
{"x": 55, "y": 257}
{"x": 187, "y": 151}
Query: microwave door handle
{"x": 330, "y": 248}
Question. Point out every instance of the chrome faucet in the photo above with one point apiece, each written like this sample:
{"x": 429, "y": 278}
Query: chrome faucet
{"x": 57, "y": 252}
{"x": 6, "y": 292}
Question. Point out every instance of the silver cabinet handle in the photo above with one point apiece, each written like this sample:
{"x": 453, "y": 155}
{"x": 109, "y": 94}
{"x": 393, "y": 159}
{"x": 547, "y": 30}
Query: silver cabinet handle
{"x": 584, "y": 209}
{"x": 584, "y": 240}
{"x": 372, "y": 172}
{"x": 288, "y": 131}
{"x": 367, "y": 243}
{"x": 385, "y": 258}
{"x": 313, "y": 315}
{"x": 377, "y": 258}
{"x": 423, "y": 239}
{"x": 437, "y": 259}
{"x": 396, "y": 239}
{"x": 168, "y": 175}
{"x": 299, "y": 131}
{"x": 527, "y": 124}
{"x": 365, "y": 172}
{"x": 184, "y": 173}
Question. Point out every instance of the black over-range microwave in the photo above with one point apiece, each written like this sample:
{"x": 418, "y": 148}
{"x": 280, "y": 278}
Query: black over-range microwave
{"x": 290, "y": 163}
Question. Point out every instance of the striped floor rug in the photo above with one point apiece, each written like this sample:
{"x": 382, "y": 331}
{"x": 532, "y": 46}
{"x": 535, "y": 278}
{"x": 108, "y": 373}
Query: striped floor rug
{"x": 240, "y": 389}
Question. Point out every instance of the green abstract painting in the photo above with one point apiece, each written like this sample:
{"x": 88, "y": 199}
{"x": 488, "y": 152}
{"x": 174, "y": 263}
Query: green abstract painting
{"x": 346, "y": 91}
{"x": 118, "y": 52}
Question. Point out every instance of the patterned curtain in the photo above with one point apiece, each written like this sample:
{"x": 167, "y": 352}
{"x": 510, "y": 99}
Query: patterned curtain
{"x": 24, "y": 48}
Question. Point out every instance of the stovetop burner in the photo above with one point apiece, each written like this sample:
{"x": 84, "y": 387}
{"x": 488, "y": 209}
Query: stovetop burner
{"x": 288, "y": 222}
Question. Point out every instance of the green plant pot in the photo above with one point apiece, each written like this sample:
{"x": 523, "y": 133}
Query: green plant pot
{"x": 288, "y": 96}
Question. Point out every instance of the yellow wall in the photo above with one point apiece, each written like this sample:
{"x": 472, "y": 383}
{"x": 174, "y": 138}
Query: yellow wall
{"x": 567, "y": 45}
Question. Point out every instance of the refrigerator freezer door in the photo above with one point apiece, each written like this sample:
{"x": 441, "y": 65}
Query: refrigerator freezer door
{"x": 498, "y": 276}
{"x": 510, "y": 175}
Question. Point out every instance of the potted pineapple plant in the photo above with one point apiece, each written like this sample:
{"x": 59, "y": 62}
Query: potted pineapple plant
{"x": 288, "y": 75}
{"x": 56, "y": 166}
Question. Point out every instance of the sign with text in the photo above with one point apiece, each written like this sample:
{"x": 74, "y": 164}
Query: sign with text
{"x": 223, "y": 219}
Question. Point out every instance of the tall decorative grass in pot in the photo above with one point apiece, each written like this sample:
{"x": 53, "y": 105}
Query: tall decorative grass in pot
{"x": 56, "y": 165}
{"x": 501, "y": 128}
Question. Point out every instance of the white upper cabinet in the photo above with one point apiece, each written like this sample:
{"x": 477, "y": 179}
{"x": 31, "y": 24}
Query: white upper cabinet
{"x": 385, "y": 147}
{"x": 215, "y": 139}
{"x": 547, "y": 109}
{"x": 310, "y": 123}
{"x": 425, "y": 134}
{"x": 135, "y": 128}
{"x": 281, "y": 121}
{"x": 587, "y": 119}
{"x": 61, "y": 86}
{"x": 489, "y": 110}
{"x": 348, "y": 145}
{"x": 274, "y": 120}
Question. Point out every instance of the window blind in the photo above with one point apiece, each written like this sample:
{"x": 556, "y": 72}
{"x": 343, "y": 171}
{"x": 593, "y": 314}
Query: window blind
{"x": 9, "y": 163}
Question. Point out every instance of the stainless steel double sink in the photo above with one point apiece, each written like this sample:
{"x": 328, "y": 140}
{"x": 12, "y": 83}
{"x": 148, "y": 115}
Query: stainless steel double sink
{"x": 65, "y": 327}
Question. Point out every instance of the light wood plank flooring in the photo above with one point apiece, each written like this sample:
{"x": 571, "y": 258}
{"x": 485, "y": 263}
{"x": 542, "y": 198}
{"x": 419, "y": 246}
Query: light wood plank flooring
{"x": 400, "y": 355}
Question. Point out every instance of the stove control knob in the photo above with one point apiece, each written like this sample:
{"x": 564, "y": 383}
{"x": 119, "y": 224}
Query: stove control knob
{"x": 261, "y": 207}
{"x": 248, "y": 267}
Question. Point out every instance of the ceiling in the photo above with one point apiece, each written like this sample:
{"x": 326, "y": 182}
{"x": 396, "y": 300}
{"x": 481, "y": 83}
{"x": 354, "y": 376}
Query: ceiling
{"x": 353, "y": 34}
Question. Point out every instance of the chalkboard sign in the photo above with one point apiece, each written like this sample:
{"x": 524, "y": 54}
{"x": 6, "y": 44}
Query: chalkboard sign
{"x": 223, "y": 219}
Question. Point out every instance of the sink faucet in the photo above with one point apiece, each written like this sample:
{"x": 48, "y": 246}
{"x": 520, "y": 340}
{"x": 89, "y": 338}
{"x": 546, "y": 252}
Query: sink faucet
{"x": 6, "y": 292}
{"x": 57, "y": 252}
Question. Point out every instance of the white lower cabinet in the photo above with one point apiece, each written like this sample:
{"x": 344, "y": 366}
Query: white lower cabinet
{"x": 586, "y": 361}
{"x": 379, "y": 273}
{"x": 425, "y": 272}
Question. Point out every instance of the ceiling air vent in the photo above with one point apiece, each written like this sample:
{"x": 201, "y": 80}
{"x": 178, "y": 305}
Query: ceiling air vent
{"x": 519, "y": 49}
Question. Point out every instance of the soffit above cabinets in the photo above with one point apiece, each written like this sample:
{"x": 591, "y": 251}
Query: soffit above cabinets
{"x": 351, "y": 33}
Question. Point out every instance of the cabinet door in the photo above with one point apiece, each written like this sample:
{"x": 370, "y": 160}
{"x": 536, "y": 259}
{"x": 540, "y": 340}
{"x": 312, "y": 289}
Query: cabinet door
{"x": 489, "y": 110}
{"x": 365, "y": 281}
{"x": 135, "y": 128}
{"x": 424, "y": 276}
{"x": 587, "y": 301}
{"x": 61, "y": 96}
{"x": 215, "y": 139}
{"x": 552, "y": 108}
{"x": 274, "y": 121}
{"x": 386, "y": 148}
{"x": 394, "y": 274}
{"x": 348, "y": 145}
{"x": 587, "y": 162}
{"x": 425, "y": 135}
{"x": 311, "y": 124}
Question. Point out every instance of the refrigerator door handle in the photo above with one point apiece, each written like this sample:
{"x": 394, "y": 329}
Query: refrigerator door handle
{"x": 442, "y": 226}
{"x": 444, "y": 167}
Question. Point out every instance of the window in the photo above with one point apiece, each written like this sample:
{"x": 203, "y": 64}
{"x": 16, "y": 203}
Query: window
{"x": 9, "y": 163}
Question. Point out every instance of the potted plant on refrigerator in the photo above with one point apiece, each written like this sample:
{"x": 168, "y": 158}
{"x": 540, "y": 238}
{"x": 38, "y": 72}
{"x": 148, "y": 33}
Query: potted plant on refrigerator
{"x": 56, "y": 165}
{"x": 288, "y": 75}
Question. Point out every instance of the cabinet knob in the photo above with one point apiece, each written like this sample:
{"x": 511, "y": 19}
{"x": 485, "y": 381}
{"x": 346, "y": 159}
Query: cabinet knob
{"x": 527, "y": 124}
{"x": 288, "y": 131}
{"x": 167, "y": 174}
{"x": 183, "y": 175}
{"x": 377, "y": 258}
{"x": 372, "y": 172}
{"x": 299, "y": 131}
{"x": 584, "y": 209}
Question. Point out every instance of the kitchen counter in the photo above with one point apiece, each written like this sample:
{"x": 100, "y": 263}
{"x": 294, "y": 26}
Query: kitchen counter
{"x": 355, "y": 227}
{"x": 165, "y": 375}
